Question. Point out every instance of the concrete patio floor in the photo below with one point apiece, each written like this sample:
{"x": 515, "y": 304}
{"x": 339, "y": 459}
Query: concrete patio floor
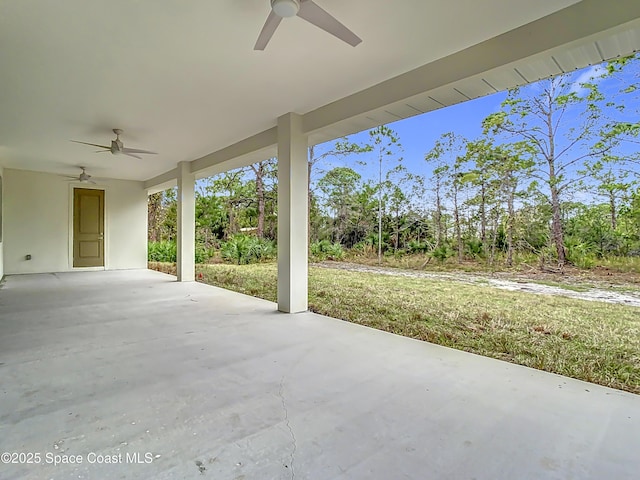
{"x": 199, "y": 382}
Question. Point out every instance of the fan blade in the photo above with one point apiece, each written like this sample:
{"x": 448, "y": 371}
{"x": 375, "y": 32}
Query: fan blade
{"x": 315, "y": 15}
{"x": 132, "y": 155}
{"x": 92, "y": 144}
{"x": 135, "y": 150}
{"x": 268, "y": 30}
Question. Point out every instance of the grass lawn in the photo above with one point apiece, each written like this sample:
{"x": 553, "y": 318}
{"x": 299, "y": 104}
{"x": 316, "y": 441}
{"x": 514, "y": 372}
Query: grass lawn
{"x": 592, "y": 341}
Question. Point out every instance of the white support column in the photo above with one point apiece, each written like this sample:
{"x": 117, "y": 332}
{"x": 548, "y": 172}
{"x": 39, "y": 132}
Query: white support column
{"x": 186, "y": 223}
{"x": 293, "y": 215}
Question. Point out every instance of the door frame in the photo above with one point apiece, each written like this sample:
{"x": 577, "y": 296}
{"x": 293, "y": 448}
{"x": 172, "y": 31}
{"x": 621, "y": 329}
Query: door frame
{"x": 72, "y": 186}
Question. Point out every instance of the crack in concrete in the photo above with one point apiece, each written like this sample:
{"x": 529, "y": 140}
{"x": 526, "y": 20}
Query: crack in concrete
{"x": 286, "y": 419}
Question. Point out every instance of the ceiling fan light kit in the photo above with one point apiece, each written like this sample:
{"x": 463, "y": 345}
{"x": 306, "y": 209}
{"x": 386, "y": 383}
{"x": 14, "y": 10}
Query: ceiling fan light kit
{"x": 285, "y": 8}
{"x": 85, "y": 177}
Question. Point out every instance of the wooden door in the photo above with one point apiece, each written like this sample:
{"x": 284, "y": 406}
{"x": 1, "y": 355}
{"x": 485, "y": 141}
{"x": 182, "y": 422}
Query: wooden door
{"x": 88, "y": 227}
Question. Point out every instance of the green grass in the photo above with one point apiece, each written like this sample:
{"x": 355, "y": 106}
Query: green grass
{"x": 591, "y": 341}
{"x": 621, "y": 264}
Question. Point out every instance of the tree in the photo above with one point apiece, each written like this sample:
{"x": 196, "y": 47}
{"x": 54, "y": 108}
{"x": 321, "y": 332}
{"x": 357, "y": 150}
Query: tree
{"x": 396, "y": 199}
{"x": 613, "y": 185}
{"x": 340, "y": 148}
{"x": 385, "y": 144}
{"x": 170, "y": 207}
{"x": 500, "y": 170}
{"x": 624, "y": 96}
{"x": 439, "y": 174}
{"x": 418, "y": 214}
{"x": 629, "y": 224}
{"x": 562, "y": 123}
{"x": 230, "y": 186}
{"x": 455, "y": 183}
{"x": 446, "y": 154}
{"x": 338, "y": 187}
{"x": 262, "y": 170}
{"x": 364, "y": 214}
{"x": 155, "y": 216}
{"x": 210, "y": 218}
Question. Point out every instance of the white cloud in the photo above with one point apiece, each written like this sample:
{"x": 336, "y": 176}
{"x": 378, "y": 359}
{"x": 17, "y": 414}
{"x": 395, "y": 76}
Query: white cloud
{"x": 593, "y": 74}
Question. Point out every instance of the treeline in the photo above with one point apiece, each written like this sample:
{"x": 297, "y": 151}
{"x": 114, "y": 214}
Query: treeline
{"x": 554, "y": 176}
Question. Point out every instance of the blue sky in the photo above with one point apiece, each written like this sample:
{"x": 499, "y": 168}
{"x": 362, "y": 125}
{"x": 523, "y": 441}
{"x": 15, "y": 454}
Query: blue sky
{"x": 418, "y": 134}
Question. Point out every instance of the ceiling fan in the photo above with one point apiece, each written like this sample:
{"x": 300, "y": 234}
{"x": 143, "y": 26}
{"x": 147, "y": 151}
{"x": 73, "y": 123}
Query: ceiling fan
{"x": 307, "y": 10}
{"x": 84, "y": 177}
{"x": 117, "y": 146}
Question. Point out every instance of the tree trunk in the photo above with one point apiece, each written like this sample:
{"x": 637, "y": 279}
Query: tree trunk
{"x": 260, "y": 195}
{"x": 456, "y": 219}
{"x": 557, "y": 231}
{"x": 342, "y": 215}
{"x": 397, "y": 242}
{"x": 510, "y": 221}
{"x": 483, "y": 215}
{"x": 231, "y": 229}
{"x": 494, "y": 237}
{"x": 438, "y": 215}
{"x": 154, "y": 216}
{"x": 380, "y": 209}
{"x": 311, "y": 160}
{"x": 258, "y": 170}
{"x": 613, "y": 210}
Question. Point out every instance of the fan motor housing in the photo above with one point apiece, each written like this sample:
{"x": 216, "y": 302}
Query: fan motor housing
{"x": 116, "y": 147}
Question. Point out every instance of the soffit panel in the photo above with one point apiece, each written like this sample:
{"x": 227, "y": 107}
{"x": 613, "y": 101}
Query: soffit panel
{"x": 626, "y": 41}
{"x": 584, "y": 55}
{"x": 539, "y": 68}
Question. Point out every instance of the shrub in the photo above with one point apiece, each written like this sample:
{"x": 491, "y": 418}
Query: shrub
{"x": 203, "y": 253}
{"x": 243, "y": 249}
{"x": 264, "y": 249}
{"x": 442, "y": 252}
{"x": 367, "y": 247}
{"x": 335, "y": 252}
{"x": 581, "y": 255}
{"x": 325, "y": 250}
{"x": 165, "y": 251}
{"x": 474, "y": 248}
{"x": 418, "y": 247}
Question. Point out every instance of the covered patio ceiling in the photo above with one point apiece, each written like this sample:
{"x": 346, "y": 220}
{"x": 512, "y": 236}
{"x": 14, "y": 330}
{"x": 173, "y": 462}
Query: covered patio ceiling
{"x": 182, "y": 78}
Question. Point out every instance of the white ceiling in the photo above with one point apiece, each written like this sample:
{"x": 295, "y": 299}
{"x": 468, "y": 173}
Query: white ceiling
{"x": 182, "y": 78}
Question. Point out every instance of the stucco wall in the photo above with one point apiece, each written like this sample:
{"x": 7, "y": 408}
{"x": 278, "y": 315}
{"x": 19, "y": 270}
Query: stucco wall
{"x": 37, "y": 216}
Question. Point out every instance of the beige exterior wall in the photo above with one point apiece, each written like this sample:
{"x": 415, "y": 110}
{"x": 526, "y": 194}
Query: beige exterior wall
{"x": 1, "y": 220}
{"x": 38, "y": 215}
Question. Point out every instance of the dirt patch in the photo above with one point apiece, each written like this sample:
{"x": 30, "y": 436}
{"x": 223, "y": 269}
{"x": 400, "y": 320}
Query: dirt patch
{"x": 568, "y": 286}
